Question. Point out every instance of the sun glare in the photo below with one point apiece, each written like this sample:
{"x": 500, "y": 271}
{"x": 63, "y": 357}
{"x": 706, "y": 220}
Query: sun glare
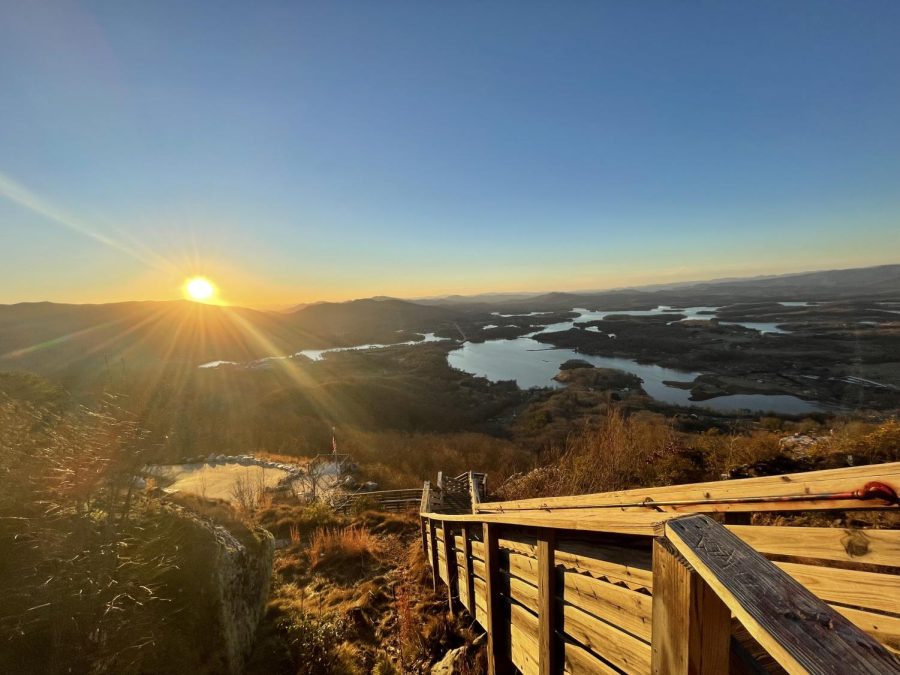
{"x": 199, "y": 289}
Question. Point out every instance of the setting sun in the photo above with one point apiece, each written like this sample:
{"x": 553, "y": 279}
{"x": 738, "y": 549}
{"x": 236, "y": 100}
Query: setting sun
{"x": 199, "y": 289}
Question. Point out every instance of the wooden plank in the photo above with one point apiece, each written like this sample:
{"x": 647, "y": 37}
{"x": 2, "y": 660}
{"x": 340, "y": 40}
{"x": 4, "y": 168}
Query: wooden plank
{"x": 867, "y": 590}
{"x": 497, "y": 629}
{"x": 885, "y": 629}
{"x": 767, "y": 487}
{"x": 524, "y": 593}
{"x": 618, "y": 648}
{"x": 548, "y": 655}
{"x": 435, "y": 565}
{"x": 519, "y": 543}
{"x": 616, "y": 521}
{"x": 479, "y": 568}
{"x": 452, "y": 576}
{"x": 467, "y": 566}
{"x": 480, "y": 602}
{"x": 477, "y": 548}
{"x": 876, "y": 547}
{"x": 799, "y": 630}
{"x": 619, "y": 565}
{"x": 524, "y": 567}
{"x": 579, "y": 661}
{"x": 524, "y": 649}
{"x": 629, "y": 610}
{"x": 424, "y": 528}
{"x": 691, "y": 626}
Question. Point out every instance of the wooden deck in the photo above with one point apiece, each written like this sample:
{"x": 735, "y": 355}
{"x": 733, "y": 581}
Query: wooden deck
{"x": 657, "y": 581}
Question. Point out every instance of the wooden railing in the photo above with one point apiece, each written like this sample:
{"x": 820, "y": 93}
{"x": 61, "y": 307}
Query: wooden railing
{"x": 385, "y": 500}
{"x": 641, "y": 581}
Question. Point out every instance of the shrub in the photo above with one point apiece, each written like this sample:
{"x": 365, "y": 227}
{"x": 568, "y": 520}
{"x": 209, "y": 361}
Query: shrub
{"x": 342, "y": 546}
{"x": 314, "y": 641}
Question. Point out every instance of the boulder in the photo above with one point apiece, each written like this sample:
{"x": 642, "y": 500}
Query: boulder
{"x": 451, "y": 664}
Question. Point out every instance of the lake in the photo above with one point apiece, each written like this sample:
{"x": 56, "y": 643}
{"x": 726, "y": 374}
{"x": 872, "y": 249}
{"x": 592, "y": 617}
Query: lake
{"x": 534, "y": 364}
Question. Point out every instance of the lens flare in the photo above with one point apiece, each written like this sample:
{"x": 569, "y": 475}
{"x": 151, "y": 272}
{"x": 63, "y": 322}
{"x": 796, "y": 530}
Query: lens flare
{"x": 199, "y": 289}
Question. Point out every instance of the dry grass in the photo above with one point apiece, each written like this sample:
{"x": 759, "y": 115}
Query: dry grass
{"x": 340, "y": 546}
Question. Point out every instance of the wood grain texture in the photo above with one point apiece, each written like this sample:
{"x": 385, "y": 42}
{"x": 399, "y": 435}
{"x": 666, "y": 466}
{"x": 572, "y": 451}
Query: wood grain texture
{"x": 524, "y": 649}
{"x": 848, "y": 587}
{"x": 629, "y": 610}
{"x": 618, "y": 648}
{"x": 497, "y": 628}
{"x": 876, "y": 547}
{"x": 617, "y": 521}
{"x": 798, "y": 629}
{"x": 812, "y": 482}
{"x": 452, "y": 572}
{"x": 579, "y": 661}
{"x": 548, "y": 656}
{"x": 630, "y": 566}
{"x": 691, "y": 626}
{"x": 467, "y": 568}
{"x": 435, "y": 566}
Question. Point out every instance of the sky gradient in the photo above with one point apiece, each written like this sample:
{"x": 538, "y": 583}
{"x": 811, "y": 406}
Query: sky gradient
{"x": 299, "y": 151}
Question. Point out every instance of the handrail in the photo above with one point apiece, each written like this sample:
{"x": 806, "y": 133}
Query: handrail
{"x": 799, "y": 630}
{"x": 634, "y": 582}
{"x": 864, "y": 487}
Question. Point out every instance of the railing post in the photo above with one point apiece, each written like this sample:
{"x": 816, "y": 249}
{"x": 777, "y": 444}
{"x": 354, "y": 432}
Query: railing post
{"x": 435, "y": 560}
{"x": 474, "y": 496}
{"x": 452, "y": 578}
{"x": 691, "y": 624}
{"x": 497, "y": 625}
{"x": 422, "y": 522}
{"x": 548, "y": 656}
{"x": 467, "y": 567}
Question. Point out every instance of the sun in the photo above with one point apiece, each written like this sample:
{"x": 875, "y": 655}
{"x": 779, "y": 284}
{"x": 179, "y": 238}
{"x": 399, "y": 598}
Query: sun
{"x": 199, "y": 289}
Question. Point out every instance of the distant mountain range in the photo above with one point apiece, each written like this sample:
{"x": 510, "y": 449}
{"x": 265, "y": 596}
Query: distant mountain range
{"x": 53, "y": 338}
{"x": 879, "y": 279}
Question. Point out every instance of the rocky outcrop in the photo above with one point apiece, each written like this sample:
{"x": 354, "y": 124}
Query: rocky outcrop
{"x": 222, "y": 585}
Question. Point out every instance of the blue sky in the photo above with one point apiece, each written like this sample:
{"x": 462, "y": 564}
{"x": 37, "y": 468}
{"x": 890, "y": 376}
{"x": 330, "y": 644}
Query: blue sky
{"x": 297, "y": 151}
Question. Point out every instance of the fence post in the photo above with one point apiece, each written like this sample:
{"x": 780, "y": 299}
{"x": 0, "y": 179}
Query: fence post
{"x": 691, "y": 624}
{"x": 548, "y": 657}
{"x": 452, "y": 578}
{"x": 435, "y": 561}
{"x": 474, "y": 496}
{"x": 497, "y": 625}
{"x": 467, "y": 567}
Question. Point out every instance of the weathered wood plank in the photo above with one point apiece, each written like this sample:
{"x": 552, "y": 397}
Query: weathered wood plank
{"x": 885, "y": 629}
{"x": 876, "y": 547}
{"x": 849, "y": 587}
{"x": 548, "y": 656}
{"x": 467, "y": 566}
{"x": 626, "y": 565}
{"x": 452, "y": 574}
{"x": 524, "y": 593}
{"x": 629, "y": 610}
{"x": 770, "y": 488}
{"x": 497, "y": 629}
{"x": 521, "y": 544}
{"x": 480, "y": 602}
{"x": 617, "y": 521}
{"x": 524, "y": 567}
{"x": 524, "y": 650}
{"x": 479, "y": 568}
{"x": 579, "y": 661}
{"x": 435, "y": 561}
{"x": 618, "y": 648}
{"x": 799, "y": 630}
{"x": 691, "y": 626}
